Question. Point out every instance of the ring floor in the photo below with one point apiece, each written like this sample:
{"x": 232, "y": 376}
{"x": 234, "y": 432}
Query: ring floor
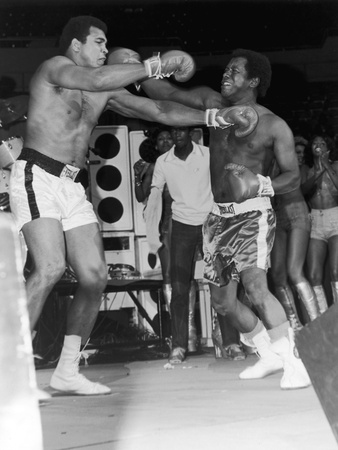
{"x": 201, "y": 404}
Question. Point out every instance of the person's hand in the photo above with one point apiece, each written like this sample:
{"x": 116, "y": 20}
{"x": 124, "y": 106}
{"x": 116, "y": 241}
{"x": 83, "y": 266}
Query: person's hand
{"x": 140, "y": 167}
{"x": 244, "y": 119}
{"x": 324, "y": 158}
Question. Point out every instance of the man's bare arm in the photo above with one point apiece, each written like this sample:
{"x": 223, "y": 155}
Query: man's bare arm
{"x": 61, "y": 71}
{"x": 199, "y": 97}
{"x": 289, "y": 178}
{"x": 161, "y": 111}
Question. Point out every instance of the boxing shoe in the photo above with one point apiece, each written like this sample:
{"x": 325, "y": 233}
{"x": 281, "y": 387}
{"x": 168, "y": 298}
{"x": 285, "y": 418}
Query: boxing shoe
{"x": 268, "y": 363}
{"x": 244, "y": 119}
{"x": 295, "y": 375}
{"x": 177, "y": 355}
{"x": 66, "y": 377}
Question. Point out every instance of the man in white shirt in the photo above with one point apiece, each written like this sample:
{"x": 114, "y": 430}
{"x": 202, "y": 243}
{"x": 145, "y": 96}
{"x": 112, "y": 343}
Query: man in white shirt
{"x": 186, "y": 171}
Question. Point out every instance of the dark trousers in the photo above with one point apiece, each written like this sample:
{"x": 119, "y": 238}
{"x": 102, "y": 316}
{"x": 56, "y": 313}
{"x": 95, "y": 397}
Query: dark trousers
{"x": 185, "y": 240}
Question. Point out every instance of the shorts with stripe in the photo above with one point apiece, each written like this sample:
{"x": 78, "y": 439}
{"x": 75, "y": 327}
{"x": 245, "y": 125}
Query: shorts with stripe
{"x": 35, "y": 193}
{"x": 237, "y": 237}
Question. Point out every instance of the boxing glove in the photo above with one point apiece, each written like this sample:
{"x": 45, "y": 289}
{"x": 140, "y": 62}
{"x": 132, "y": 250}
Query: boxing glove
{"x": 244, "y": 184}
{"x": 243, "y": 118}
{"x": 120, "y": 55}
{"x": 175, "y": 62}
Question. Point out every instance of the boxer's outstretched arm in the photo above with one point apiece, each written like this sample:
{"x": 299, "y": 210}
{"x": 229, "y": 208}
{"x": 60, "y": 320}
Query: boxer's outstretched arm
{"x": 161, "y": 111}
{"x": 201, "y": 97}
{"x": 61, "y": 71}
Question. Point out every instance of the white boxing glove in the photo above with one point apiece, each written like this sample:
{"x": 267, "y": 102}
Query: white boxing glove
{"x": 265, "y": 188}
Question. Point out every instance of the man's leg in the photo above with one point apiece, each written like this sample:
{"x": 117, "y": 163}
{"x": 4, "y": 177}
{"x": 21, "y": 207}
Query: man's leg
{"x": 279, "y": 331}
{"x": 280, "y": 260}
{"x": 183, "y": 243}
{"x": 86, "y": 257}
{"x": 45, "y": 242}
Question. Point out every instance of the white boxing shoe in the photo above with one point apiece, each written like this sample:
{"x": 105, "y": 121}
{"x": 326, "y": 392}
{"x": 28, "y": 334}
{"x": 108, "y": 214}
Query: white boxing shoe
{"x": 66, "y": 377}
{"x": 268, "y": 363}
{"x": 77, "y": 384}
{"x": 265, "y": 366}
{"x": 295, "y": 374}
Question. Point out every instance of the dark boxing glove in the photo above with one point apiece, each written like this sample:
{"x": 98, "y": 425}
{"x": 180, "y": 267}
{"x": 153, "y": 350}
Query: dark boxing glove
{"x": 175, "y": 62}
{"x": 244, "y": 119}
{"x": 120, "y": 55}
{"x": 244, "y": 184}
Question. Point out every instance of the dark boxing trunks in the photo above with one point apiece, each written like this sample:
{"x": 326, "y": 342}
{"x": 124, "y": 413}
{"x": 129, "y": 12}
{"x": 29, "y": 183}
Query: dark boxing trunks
{"x": 237, "y": 237}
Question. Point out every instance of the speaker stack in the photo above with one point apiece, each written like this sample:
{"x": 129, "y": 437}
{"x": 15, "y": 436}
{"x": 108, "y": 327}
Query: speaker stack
{"x": 110, "y": 194}
{"x": 110, "y": 187}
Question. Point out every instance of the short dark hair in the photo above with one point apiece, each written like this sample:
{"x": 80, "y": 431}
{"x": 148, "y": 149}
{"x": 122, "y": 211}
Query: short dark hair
{"x": 257, "y": 66}
{"x": 78, "y": 28}
{"x": 148, "y": 150}
{"x": 327, "y": 139}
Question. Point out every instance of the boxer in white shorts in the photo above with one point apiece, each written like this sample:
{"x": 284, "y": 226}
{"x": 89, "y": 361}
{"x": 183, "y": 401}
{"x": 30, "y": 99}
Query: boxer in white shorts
{"x": 68, "y": 93}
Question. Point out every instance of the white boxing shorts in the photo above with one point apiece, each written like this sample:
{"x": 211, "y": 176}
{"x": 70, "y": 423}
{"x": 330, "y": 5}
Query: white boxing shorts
{"x": 50, "y": 192}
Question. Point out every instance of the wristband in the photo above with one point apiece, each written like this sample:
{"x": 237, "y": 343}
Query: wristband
{"x": 153, "y": 66}
{"x": 209, "y": 117}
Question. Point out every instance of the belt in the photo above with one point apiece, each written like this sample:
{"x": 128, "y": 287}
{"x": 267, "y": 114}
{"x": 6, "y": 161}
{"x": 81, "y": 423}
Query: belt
{"x": 50, "y": 165}
{"x": 232, "y": 209}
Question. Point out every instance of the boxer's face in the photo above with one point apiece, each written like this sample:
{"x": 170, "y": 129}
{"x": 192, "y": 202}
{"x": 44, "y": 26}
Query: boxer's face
{"x": 235, "y": 77}
{"x": 93, "y": 52}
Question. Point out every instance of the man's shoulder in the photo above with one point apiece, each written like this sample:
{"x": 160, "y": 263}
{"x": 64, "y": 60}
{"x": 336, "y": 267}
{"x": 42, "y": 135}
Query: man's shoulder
{"x": 169, "y": 155}
{"x": 55, "y": 61}
{"x": 203, "y": 149}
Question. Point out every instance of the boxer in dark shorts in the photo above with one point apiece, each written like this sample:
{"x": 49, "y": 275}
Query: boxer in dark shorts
{"x": 245, "y": 156}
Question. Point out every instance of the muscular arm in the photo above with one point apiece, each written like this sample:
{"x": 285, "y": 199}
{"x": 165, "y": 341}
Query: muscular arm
{"x": 160, "y": 111}
{"x": 284, "y": 150}
{"x": 63, "y": 72}
{"x": 200, "y": 97}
